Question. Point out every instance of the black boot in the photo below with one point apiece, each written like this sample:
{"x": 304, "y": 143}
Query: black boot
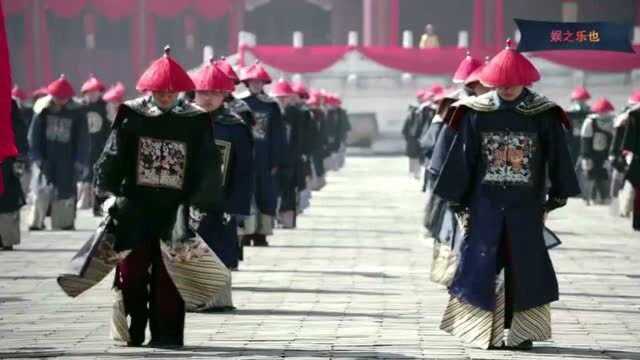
{"x": 260, "y": 240}
{"x": 246, "y": 240}
{"x": 137, "y": 330}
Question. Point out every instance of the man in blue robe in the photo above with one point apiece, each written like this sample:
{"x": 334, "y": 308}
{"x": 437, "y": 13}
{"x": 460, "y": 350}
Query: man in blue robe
{"x": 58, "y": 144}
{"x": 506, "y": 144}
{"x": 268, "y": 135}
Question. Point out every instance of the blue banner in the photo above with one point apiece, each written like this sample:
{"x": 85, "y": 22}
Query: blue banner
{"x": 546, "y": 35}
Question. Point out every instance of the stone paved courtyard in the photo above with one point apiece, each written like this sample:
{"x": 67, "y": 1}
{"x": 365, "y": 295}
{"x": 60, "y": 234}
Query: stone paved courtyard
{"x": 352, "y": 282}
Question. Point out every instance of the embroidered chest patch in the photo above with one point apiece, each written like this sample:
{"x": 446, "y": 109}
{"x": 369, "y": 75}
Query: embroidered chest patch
{"x": 509, "y": 157}
{"x": 58, "y": 129}
{"x": 161, "y": 163}
{"x": 260, "y": 127}
{"x": 94, "y": 121}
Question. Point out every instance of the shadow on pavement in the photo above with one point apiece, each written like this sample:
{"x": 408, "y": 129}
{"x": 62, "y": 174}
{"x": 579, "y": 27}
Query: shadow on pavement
{"x": 633, "y": 276}
{"x": 614, "y": 311}
{"x": 339, "y": 247}
{"x": 307, "y": 291}
{"x": 310, "y": 313}
{"x": 46, "y": 250}
{"x": 586, "y": 353}
{"x": 613, "y": 296}
{"x": 360, "y": 230}
{"x": 213, "y": 352}
{"x": 320, "y": 272}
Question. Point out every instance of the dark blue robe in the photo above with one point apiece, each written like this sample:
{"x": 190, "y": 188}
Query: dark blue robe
{"x": 499, "y": 160}
{"x": 320, "y": 146}
{"x": 268, "y": 135}
{"x": 98, "y": 130}
{"x": 58, "y": 143}
{"x": 235, "y": 144}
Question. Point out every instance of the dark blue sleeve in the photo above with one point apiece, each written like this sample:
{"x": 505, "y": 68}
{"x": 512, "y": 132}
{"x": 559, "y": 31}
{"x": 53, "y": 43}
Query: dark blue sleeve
{"x": 457, "y": 174}
{"x": 445, "y": 138}
{"x": 81, "y": 138}
{"x": 431, "y": 137}
{"x": 562, "y": 175}
{"x": 36, "y": 137}
{"x": 277, "y": 144}
{"x": 242, "y": 180}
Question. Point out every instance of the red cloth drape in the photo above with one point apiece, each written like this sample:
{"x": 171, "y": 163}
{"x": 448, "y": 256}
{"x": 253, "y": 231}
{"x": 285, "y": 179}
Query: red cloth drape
{"x": 438, "y": 61}
{"x": 65, "y": 8}
{"x": 592, "y": 60}
{"x": 299, "y": 60}
{"x": 7, "y": 143}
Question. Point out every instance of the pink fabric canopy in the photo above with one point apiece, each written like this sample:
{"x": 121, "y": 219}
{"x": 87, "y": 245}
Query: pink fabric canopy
{"x": 299, "y": 60}
{"x": 441, "y": 61}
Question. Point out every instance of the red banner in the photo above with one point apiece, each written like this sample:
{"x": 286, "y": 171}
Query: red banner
{"x": 7, "y": 143}
{"x": 307, "y": 59}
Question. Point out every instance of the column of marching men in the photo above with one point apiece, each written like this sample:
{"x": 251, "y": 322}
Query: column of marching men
{"x": 496, "y": 158}
{"x": 142, "y": 162}
{"x": 601, "y": 140}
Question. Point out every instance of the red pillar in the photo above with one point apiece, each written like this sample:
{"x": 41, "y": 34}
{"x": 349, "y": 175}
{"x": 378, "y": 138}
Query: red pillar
{"x": 236, "y": 24}
{"x": 380, "y": 22}
{"x": 477, "y": 37}
{"x": 368, "y": 25}
{"x": 498, "y": 30}
{"x": 394, "y": 22}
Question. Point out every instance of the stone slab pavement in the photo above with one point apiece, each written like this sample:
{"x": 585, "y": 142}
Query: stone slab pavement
{"x": 352, "y": 282}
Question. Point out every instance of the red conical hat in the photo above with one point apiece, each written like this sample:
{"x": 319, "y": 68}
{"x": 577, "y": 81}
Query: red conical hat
{"x": 580, "y": 94}
{"x": 17, "y": 93}
{"x": 282, "y": 88}
{"x": 315, "y": 98}
{"x": 255, "y": 72}
{"x": 436, "y": 88}
{"x": 227, "y": 69}
{"x": 602, "y": 106}
{"x": 61, "y": 88}
{"x": 634, "y": 98}
{"x": 165, "y": 74}
{"x": 300, "y": 89}
{"x": 509, "y": 68}
{"x": 211, "y": 77}
{"x": 92, "y": 84}
{"x": 330, "y": 99}
{"x": 466, "y": 67}
{"x": 474, "y": 76}
{"x": 41, "y": 91}
{"x": 115, "y": 94}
